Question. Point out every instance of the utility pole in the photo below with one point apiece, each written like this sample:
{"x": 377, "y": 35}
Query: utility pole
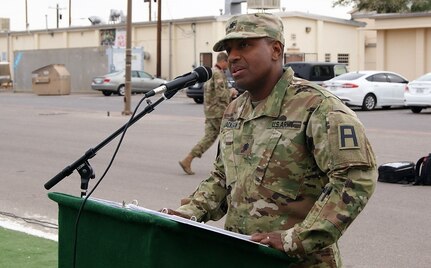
{"x": 159, "y": 38}
{"x": 128, "y": 94}
{"x": 59, "y": 16}
{"x": 26, "y": 16}
{"x": 149, "y": 8}
{"x": 70, "y": 13}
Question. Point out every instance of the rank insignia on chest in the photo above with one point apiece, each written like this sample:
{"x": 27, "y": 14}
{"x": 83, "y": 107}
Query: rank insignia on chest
{"x": 347, "y": 137}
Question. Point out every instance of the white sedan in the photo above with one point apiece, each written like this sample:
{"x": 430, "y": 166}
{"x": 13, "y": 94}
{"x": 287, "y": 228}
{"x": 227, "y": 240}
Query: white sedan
{"x": 369, "y": 89}
{"x": 418, "y": 93}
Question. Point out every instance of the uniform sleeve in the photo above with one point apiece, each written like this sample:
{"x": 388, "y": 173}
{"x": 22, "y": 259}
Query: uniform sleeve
{"x": 343, "y": 152}
{"x": 216, "y": 95}
{"x": 208, "y": 202}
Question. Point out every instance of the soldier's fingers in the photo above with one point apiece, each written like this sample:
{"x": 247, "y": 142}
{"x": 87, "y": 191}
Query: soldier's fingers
{"x": 263, "y": 238}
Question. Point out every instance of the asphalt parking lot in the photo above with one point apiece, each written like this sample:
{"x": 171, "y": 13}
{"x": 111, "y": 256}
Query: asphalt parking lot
{"x": 40, "y": 135}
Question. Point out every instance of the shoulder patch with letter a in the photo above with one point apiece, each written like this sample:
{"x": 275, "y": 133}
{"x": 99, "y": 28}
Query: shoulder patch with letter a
{"x": 347, "y": 137}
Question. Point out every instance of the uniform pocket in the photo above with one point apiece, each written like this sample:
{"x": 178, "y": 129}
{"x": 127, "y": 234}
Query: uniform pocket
{"x": 228, "y": 156}
{"x": 274, "y": 171}
{"x": 317, "y": 208}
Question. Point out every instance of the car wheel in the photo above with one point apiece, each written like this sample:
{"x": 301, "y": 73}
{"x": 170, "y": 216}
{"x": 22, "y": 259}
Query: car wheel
{"x": 199, "y": 100}
{"x": 121, "y": 90}
{"x": 106, "y": 93}
{"x": 369, "y": 102}
{"x": 416, "y": 109}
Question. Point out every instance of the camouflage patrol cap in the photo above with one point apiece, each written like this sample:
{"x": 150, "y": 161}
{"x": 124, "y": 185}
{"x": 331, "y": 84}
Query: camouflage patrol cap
{"x": 252, "y": 26}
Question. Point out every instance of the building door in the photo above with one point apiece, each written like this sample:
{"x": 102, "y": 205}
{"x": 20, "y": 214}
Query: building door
{"x": 206, "y": 59}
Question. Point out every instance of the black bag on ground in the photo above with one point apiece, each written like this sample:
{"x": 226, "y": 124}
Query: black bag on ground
{"x": 423, "y": 171}
{"x": 402, "y": 172}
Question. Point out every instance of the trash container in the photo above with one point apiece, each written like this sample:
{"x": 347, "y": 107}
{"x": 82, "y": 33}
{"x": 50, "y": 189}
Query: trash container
{"x": 5, "y": 77}
{"x": 53, "y": 79}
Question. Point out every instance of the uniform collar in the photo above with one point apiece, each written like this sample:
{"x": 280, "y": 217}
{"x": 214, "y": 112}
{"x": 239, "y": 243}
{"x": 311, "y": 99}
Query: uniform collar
{"x": 271, "y": 106}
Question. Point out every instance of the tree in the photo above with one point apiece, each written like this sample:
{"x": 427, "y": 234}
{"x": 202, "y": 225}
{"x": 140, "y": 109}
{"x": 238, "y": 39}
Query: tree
{"x": 387, "y": 6}
{"x": 420, "y": 6}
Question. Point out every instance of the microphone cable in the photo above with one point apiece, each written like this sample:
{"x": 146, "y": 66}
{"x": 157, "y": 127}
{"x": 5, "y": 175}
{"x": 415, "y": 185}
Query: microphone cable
{"x": 75, "y": 242}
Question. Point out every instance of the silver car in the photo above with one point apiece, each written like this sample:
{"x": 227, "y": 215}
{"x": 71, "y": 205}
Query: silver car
{"x": 142, "y": 82}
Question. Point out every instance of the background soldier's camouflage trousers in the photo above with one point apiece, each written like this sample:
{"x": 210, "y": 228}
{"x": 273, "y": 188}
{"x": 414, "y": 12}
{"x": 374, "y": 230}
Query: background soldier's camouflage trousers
{"x": 212, "y": 129}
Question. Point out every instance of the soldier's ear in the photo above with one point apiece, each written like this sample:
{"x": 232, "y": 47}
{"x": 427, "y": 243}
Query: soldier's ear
{"x": 277, "y": 49}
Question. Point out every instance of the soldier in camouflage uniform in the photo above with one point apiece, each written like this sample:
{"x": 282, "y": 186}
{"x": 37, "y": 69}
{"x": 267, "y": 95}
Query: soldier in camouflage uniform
{"x": 217, "y": 96}
{"x": 294, "y": 167}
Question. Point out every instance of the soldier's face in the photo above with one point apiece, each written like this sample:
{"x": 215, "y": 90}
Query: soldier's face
{"x": 250, "y": 62}
{"x": 224, "y": 64}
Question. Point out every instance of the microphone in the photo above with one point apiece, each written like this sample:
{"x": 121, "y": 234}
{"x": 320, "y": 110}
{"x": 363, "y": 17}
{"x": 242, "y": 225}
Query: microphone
{"x": 200, "y": 74}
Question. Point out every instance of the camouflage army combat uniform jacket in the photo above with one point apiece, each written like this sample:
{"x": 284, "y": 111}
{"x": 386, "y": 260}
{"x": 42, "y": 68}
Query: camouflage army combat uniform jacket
{"x": 298, "y": 163}
{"x": 216, "y": 94}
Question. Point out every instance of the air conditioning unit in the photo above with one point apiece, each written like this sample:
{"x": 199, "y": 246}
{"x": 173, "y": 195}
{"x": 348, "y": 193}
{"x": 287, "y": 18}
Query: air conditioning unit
{"x": 115, "y": 15}
{"x": 263, "y": 4}
{"x": 4, "y": 24}
{"x": 95, "y": 20}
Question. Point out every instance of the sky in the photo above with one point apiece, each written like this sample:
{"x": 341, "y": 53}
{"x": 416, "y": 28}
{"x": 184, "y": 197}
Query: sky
{"x": 42, "y": 14}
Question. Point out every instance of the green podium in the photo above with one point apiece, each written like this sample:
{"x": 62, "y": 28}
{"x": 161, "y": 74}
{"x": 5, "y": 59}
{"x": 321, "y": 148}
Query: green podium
{"x": 112, "y": 235}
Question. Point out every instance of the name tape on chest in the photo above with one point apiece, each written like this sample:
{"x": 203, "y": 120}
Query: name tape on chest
{"x": 281, "y": 124}
{"x": 232, "y": 124}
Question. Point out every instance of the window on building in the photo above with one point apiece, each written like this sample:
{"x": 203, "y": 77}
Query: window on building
{"x": 289, "y": 57}
{"x": 343, "y": 58}
{"x": 327, "y": 57}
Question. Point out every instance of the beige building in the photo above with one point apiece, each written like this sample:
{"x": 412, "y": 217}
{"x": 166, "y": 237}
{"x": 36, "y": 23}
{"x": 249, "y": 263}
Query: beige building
{"x": 395, "y": 42}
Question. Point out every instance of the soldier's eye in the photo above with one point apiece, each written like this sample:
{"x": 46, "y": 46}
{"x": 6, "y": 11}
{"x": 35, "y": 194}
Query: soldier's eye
{"x": 244, "y": 44}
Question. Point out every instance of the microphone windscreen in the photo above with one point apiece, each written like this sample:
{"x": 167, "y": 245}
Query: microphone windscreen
{"x": 204, "y": 73}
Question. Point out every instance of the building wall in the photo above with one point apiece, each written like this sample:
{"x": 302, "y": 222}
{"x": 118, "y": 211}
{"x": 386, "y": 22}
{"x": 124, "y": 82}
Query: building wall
{"x": 82, "y": 63}
{"x": 83, "y": 39}
{"x": 427, "y": 54}
{"x": 338, "y": 38}
{"x": 23, "y": 42}
{"x": 400, "y": 52}
{"x": 369, "y": 58}
{"x": 403, "y": 43}
{"x": 3, "y": 52}
{"x": 145, "y": 36}
{"x": 315, "y": 35}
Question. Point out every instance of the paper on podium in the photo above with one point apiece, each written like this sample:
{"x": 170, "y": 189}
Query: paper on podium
{"x": 177, "y": 219}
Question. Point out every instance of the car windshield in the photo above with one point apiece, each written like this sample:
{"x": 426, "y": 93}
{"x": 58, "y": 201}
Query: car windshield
{"x": 426, "y": 77}
{"x": 348, "y": 76}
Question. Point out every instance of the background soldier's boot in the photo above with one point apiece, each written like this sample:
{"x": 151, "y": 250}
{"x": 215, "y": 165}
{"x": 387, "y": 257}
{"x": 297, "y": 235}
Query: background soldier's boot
{"x": 186, "y": 164}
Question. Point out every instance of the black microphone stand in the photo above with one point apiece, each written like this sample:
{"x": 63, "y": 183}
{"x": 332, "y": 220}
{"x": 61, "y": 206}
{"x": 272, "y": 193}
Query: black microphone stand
{"x": 83, "y": 166}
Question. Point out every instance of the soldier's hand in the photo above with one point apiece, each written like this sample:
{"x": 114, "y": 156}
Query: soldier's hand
{"x": 233, "y": 92}
{"x": 271, "y": 239}
{"x": 173, "y": 212}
